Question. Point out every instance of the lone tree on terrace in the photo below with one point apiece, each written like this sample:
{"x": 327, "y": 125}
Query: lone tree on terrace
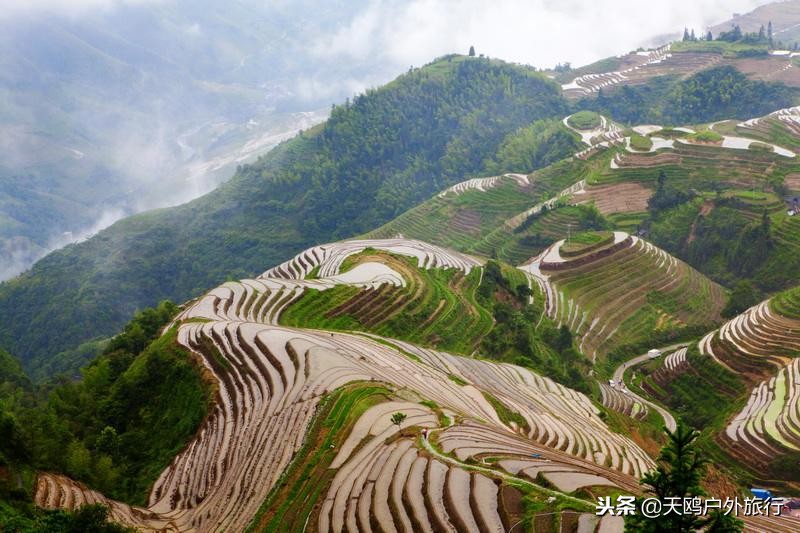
{"x": 471, "y": 51}
{"x": 398, "y": 418}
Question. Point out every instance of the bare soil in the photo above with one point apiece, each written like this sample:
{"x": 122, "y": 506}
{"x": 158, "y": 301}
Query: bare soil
{"x": 616, "y": 198}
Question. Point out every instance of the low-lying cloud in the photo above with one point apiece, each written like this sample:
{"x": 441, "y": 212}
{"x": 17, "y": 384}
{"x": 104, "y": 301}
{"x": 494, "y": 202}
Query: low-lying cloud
{"x": 539, "y": 32}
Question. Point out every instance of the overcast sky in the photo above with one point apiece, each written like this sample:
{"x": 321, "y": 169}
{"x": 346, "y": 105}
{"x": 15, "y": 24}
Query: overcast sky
{"x": 537, "y": 32}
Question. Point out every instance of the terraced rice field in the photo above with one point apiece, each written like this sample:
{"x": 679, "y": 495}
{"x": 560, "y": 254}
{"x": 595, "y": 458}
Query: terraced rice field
{"x": 659, "y": 62}
{"x": 434, "y": 307}
{"x": 465, "y": 215}
{"x": 687, "y": 163}
{"x": 773, "y": 410}
{"x": 762, "y": 127}
{"x": 620, "y": 294}
{"x": 328, "y": 258}
{"x": 763, "y": 344}
{"x": 483, "y": 184}
{"x": 590, "y": 83}
{"x": 271, "y": 379}
{"x": 615, "y": 198}
{"x": 605, "y": 134}
{"x": 758, "y": 341}
{"x": 553, "y": 420}
{"x": 518, "y": 245}
{"x": 674, "y": 361}
{"x": 619, "y": 400}
{"x": 674, "y": 364}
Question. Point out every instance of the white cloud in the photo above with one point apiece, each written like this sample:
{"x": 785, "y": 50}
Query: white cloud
{"x": 537, "y": 32}
{"x": 68, "y": 7}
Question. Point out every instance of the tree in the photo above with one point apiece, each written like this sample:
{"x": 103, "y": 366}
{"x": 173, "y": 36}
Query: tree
{"x": 564, "y": 339}
{"x": 691, "y": 36}
{"x": 761, "y": 33}
{"x": 709, "y": 36}
{"x": 685, "y": 34}
{"x": 398, "y": 418}
{"x": 769, "y": 33}
{"x": 680, "y": 470}
{"x": 471, "y": 51}
{"x": 91, "y": 518}
{"x": 744, "y": 296}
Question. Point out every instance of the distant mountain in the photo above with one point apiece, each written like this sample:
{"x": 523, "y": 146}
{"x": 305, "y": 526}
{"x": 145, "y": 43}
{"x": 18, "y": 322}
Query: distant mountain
{"x": 143, "y": 105}
{"x": 784, "y": 16}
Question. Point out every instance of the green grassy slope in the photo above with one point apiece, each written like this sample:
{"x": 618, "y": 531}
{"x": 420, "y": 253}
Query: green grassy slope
{"x": 436, "y": 307}
{"x": 474, "y": 221}
{"x": 633, "y": 299}
{"x": 484, "y": 313}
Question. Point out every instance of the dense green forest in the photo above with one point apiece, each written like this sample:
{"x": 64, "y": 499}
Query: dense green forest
{"x": 103, "y": 429}
{"x": 375, "y": 157}
{"x": 714, "y": 94}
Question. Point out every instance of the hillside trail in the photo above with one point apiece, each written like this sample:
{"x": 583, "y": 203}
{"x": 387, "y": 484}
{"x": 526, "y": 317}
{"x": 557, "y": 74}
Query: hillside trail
{"x": 430, "y": 448}
{"x": 619, "y": 374}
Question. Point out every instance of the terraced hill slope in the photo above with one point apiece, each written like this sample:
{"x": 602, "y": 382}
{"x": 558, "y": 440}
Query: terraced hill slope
{"x": 739, "y": 384}
{"x": 677, "y": 60}
{"x": 616, "y": 290}
{"x": 495, "y": 432}
{"x": 763, "y": 344}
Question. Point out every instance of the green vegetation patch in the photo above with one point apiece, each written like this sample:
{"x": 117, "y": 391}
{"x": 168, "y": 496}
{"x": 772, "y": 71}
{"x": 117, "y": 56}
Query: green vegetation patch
{"x": 641, "y": 143}
{"x": 307, "y": 479}
{"x": 118, "y": 427}
{"x": 507, "y": 416}
{"x": 712, "y": 94}
{"x": 706, "y": 136}
{"x": 705, "y": 395}
{"x": 761, "y": 147}
{"x": 584, "y": 120}
{"x": 787, "y": 303}
{"x": 586, "y": 242}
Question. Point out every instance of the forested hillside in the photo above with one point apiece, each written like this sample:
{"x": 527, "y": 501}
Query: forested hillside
{"x": 377, "y": 156}
{"x": 714, "y": 94}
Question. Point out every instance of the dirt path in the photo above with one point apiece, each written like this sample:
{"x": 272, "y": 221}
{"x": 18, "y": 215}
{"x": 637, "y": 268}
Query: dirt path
{"x": 498, "y": 474}
{"x": 706, "y": 208}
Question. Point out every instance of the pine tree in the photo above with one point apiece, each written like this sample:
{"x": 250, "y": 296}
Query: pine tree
{"x": 685, "y": 34}
{"x": 691, "y": 36}
{"x": 709, "y": 37}
{"x": 761, "y": 33}
{"x": 471, "y": 51}
{"x": 769, "y": 33}
{"x": 678, "y": 475}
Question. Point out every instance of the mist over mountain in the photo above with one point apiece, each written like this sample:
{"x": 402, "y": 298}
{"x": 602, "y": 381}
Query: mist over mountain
{"x": 119, "y": 108}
